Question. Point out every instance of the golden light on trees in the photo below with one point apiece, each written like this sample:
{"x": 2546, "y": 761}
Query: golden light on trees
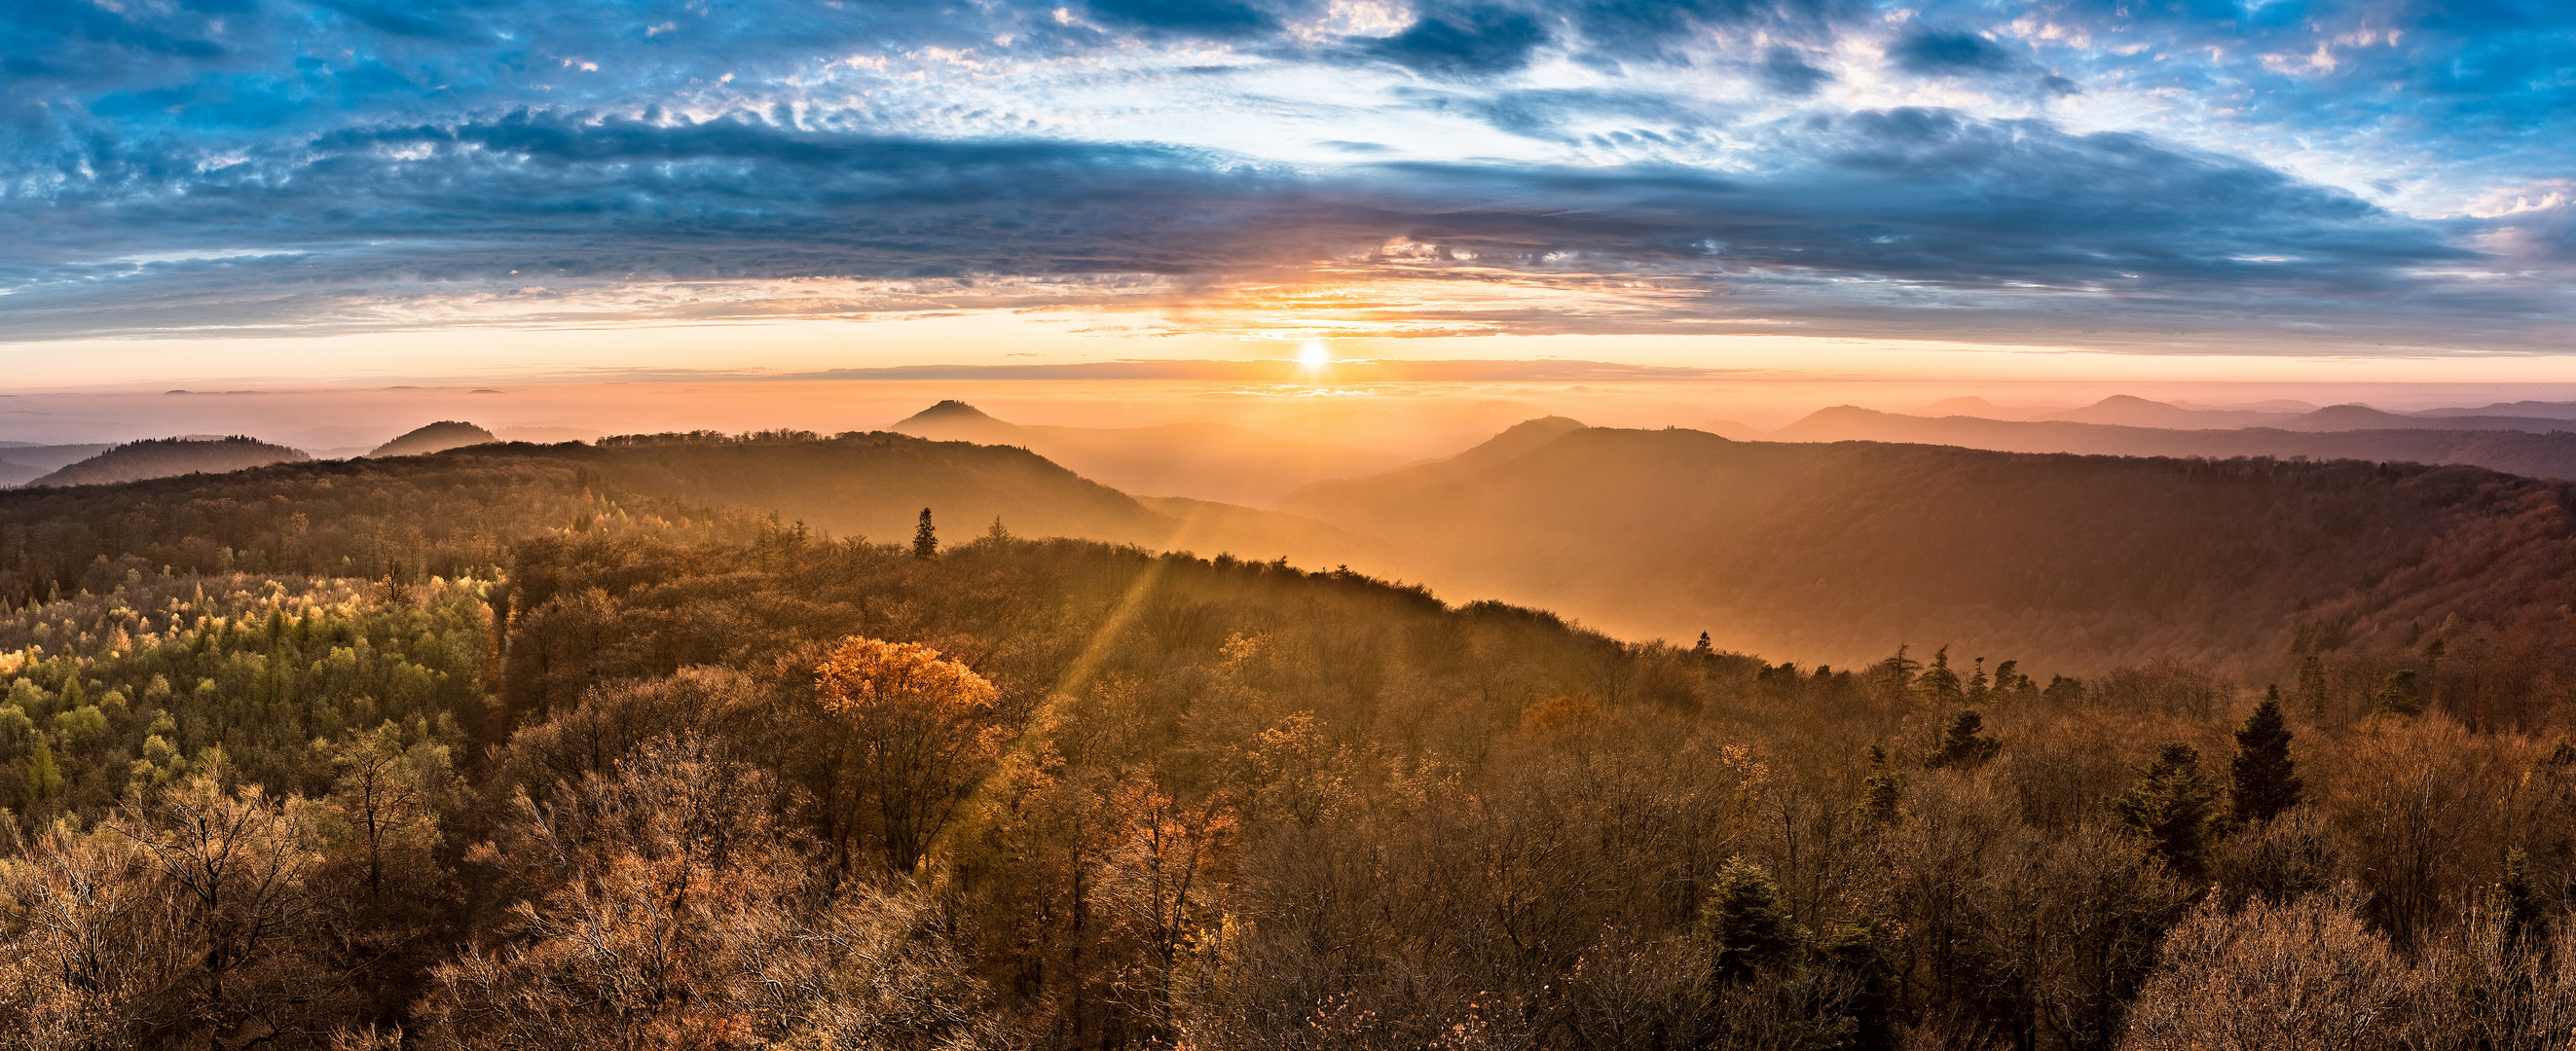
{"x": 915, "y": 730}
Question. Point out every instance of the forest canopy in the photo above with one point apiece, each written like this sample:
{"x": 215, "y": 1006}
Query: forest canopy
{"x": 517, "y": 747}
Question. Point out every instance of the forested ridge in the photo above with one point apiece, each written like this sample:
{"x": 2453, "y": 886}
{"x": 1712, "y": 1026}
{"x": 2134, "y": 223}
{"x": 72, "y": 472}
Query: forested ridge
{"x": 505, "y": 750}
{"x": 1835, "y": 550}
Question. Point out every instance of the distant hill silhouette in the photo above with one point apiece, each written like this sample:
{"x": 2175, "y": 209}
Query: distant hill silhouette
{"x": 2122, "y": 410}
{"x": 2550, "y": 455}
{"x": 23, "y": 462}
{"x": 165, "y": 457}
{"x": 1841, "y": 550}
{"x": 436, "y": 437}
{"x": 1208, "y": 461}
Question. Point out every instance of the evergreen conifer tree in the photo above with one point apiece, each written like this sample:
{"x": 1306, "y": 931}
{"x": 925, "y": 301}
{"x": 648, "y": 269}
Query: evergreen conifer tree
{"x": 1746, "y": 920}
{"x": 1939, "y": 685}
{"x": 1703, "y": 649}
{"x": 2398, "y": 695}
{"x": 998, "y": 534}
{"x": 2263, "y": 779}
{"x": 1962, "y": 746}
{"x": 2169, "y": 810}
{"x": 925, "y": 540}
{"x": 1880, "y": 794}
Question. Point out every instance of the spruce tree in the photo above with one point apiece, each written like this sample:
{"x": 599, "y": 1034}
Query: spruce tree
{"x": 1880, "y": 794}
{"x": 1961, "y": 745}
{"x": 1703, "y": 649}
{"x": 999, "y": 534}
{"x": 2398, "y": 695}
{"x": 1746, "y": 920}
{"x": 1939, "y": 685}
{"x": 2263, "y": 779}
{"x": 2169, "y": 810}
{"x": 925, "y": 540}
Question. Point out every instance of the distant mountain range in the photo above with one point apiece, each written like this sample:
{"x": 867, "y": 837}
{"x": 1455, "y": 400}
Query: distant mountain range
{"x": 2515, "y": 451}
{"x": 2123, "y": 410}
{"x": 1209, "y": 461}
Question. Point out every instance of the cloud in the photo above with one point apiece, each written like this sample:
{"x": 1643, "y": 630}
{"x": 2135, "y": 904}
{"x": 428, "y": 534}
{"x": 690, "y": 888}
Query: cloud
{"x": 248, "y": 165}
{"x": 1467, "y": 41}
{"x": 1934, "y": 52}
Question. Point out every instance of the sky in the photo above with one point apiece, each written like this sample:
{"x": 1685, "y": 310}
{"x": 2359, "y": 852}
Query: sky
{"x": 366, "y": 191}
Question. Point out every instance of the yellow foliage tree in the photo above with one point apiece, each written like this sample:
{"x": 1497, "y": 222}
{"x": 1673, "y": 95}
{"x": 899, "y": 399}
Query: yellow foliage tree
{"x": 915, "y": 730}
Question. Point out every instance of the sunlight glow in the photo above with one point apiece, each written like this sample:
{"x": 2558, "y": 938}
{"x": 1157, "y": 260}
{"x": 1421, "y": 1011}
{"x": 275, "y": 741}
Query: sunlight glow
{"x": 1314, "y": 356}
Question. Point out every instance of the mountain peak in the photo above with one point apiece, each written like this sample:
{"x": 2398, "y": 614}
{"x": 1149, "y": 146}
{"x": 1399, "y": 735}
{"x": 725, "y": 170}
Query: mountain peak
{"x": 949, "y": 410}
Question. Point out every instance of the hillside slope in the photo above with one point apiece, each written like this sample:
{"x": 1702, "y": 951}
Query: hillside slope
{"x": 168, "y": 457}
{"x": 1207, "y": 461}
{"x": 1840, "y": 551}
{"x": 2513, "y": 451}
{"x": 461, "y": 512}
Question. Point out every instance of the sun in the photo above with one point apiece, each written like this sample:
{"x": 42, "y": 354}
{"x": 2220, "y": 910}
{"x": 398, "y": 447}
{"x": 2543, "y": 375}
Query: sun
{"x": 1314, "y": 356}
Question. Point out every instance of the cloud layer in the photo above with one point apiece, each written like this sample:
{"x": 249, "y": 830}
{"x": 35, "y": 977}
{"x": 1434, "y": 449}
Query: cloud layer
{"x": 2362, "y": 176}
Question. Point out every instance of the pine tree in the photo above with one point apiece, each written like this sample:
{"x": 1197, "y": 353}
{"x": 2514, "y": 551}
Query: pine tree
{"x": 1703, "y": 649}
{"x": 1939, "y": 685}
{"x": 2169, "y": 810}
{"x": 2264, "y": 780}
{"x": 925, "y": 540}
{"x": 1961, "y": 746}
{"x": 2398, "y": 695}
{"x": 1746, "y": 920}
{"x": 1880, "y": 794}
{"x": 998, "y": 534}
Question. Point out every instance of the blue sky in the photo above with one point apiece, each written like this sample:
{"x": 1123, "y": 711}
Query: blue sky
{"x": 2356, "y": 178}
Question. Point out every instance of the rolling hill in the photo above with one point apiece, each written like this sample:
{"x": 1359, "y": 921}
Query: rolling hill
{"x": 1839, "y": 551}
{"x": 167, "y": 457}
{"x": 454, "y": 512}
{"x": 436, "y": 437}
{"x": 2511, "y": 450}
{"x": 1207, "y": 461}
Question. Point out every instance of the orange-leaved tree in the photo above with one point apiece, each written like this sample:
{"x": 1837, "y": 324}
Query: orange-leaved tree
{"x": 914, "y": 732}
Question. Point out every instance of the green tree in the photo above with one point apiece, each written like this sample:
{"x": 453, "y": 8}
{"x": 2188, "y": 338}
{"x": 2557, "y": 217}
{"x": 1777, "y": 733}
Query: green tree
{"x": 1962, "y": 744}
{"x": 2264, "y": 780}
{"x": 1747, "y": 922}
{"x": 925, "y": 539}
{"x": 1880, "y": 794}
{"x": 2398, "y": 695}
{"x": 2169, "y": 811}
{"x": 44, "y": 779}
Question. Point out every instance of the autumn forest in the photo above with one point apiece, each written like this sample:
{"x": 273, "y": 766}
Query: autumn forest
{"x": 781, "y": 740}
